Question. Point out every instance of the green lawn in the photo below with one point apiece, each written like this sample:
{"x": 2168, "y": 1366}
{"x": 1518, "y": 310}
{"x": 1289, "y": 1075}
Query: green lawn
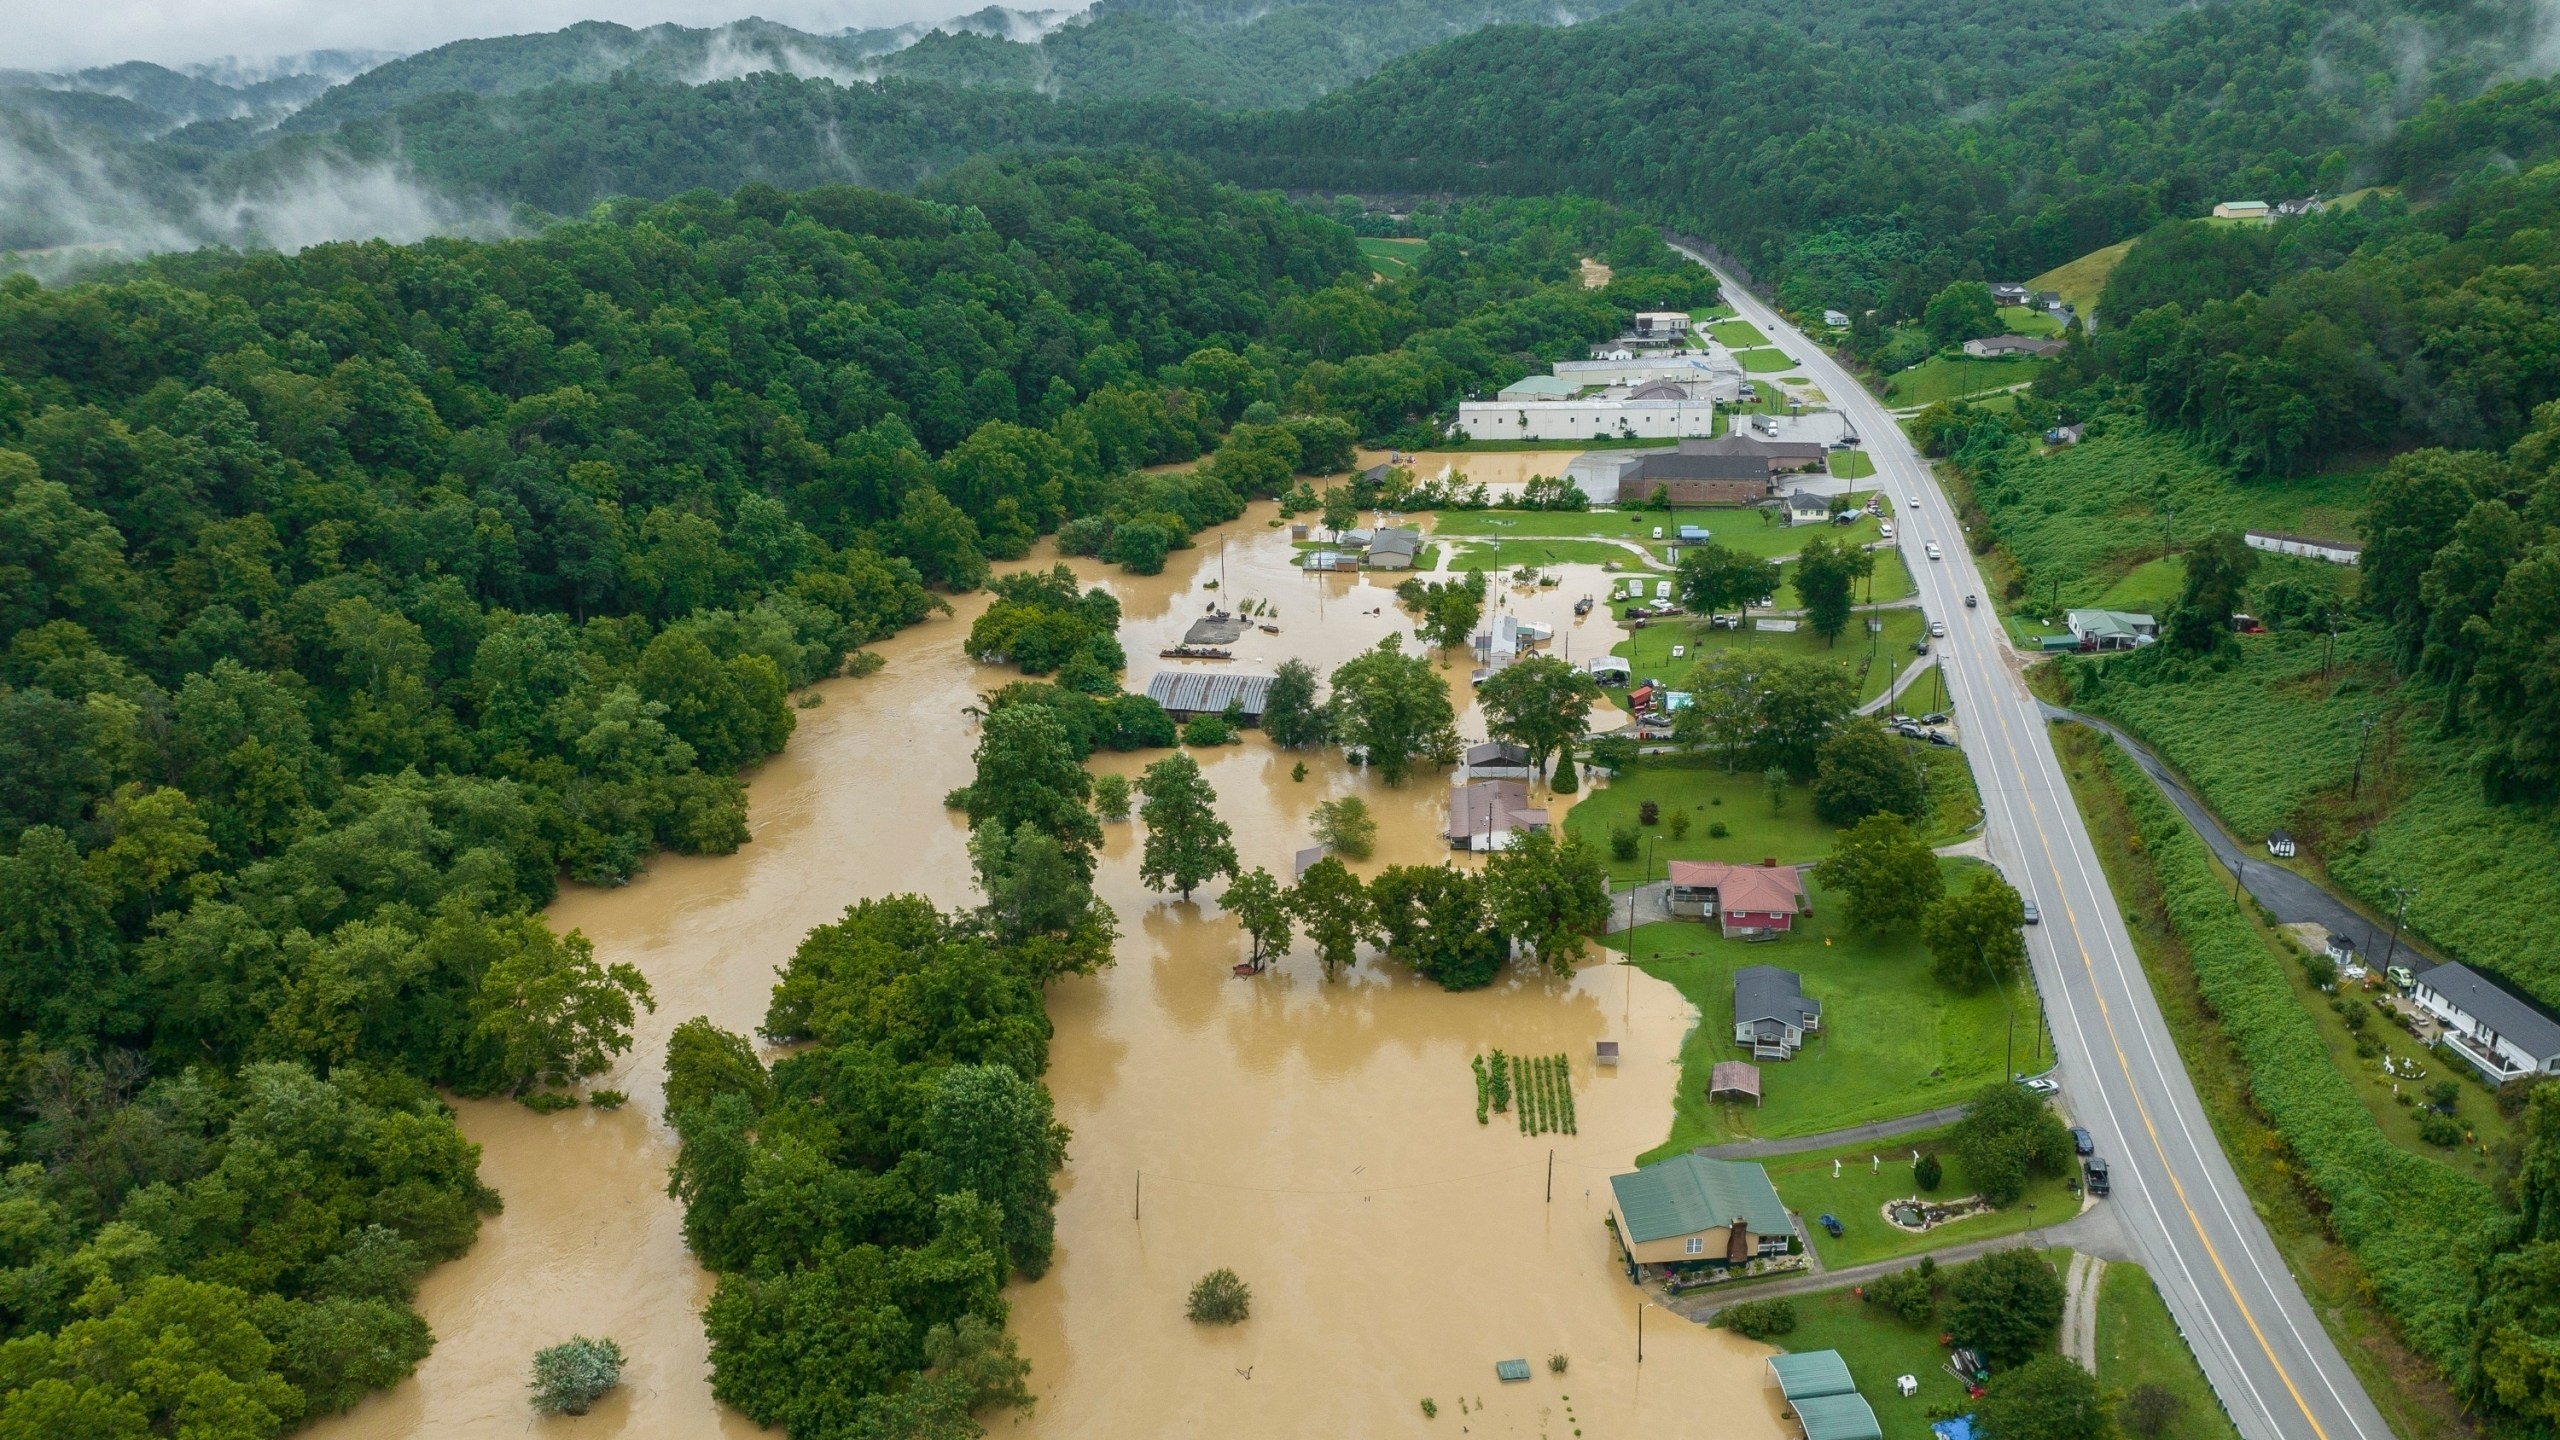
{"x": 1391, "y": 258}
{"x": 2138, "y": 1343}
{"x": 1736, "y": 334}
{"x": 1892, "y": 582}
{"x": 2151, "y": 588}
{"x": 1875, "y": 661}
{"x": 1878, "y": 1347}
{"x": 1707, "y": 794}
{"x": 1877, "y": 1171}
{"x": 1894, "y": 1041}
{"x": 1621, "y": 524}
{"x": 1955, "y": 802}
{"x": 1946, "y": 377}
{"x": 1768, "y": 360}
{"x": 1535, "y": 550}
{"x": 1852, "y": 464}
{"x": 2026, "y": 320}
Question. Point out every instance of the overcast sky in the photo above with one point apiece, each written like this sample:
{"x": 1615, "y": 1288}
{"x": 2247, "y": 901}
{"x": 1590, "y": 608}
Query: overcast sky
{"x": 67, "y": 34}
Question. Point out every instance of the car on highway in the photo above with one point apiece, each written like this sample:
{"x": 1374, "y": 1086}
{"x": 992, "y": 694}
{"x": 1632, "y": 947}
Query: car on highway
{"x": 1915, "y": 502}
{"x": 2028, "y": 909}
{"x": 1971, "y": 601}
{"x": 2097, "y": 1169}
{"x": 1938, "y": 628}
{"x": 1932, "y": 548}
{"x": 2082, "y": 1143}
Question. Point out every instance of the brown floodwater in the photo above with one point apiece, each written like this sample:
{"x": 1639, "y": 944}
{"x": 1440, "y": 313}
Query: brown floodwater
{"x": 1499, "y": 469}
{"x": 1318, "y": 1137}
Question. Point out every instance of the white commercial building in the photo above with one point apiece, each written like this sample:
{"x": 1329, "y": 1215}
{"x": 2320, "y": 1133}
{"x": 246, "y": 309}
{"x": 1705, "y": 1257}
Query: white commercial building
{"x": 1663, "y": 419}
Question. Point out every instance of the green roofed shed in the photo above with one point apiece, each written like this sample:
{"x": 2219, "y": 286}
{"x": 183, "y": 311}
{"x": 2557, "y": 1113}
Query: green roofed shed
{"x": 1689, "y": 1193}
{"x": 1837, "y": 1417}
{"x": 1812, "y": 1373}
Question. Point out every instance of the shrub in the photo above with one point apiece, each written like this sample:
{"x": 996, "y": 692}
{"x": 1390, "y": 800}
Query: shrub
{"x": 2439, "y": 1129}
{"x": 1622, "y": 841}
{"x": 1759, "y": 1319}
{"x": 1430, "y": 1408}
{"x": 1556, "y": 1363}
{"x": 569, "y": 1378}
{"x": 1679, "y": 824}
{"x": 1209, "y": 730}
{"x": 1717, "y": 830}
{"x": 1908, "y": 1295}
{"x": 607, "y": 1099}
{"x": 2149, "y": 1410}
{"x": 1111, "y": 796}
{"x": 1649, "y": 813}
{"x": 1926, "y": 1172}
{"x": 1347, "y": 826}
{"x": 1220, "y": 1298}
{"x": 2445, "y": 1095}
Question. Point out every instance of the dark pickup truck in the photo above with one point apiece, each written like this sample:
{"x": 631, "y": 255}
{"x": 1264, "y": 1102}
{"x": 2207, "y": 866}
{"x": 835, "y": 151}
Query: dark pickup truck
{"x": 2097, "y": 1176}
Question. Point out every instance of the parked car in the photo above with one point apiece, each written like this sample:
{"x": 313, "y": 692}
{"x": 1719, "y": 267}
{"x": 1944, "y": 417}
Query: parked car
{"x": 1934, "y": 717}
{"x": 1938, "y": 628}
{"x": 1885, "y": 529}
{"x": 2041, "y": 1084}
{"x": 1920, "y": 646}
{"x": 2082, "y": 1142}
{"x": 1899, "y": 720}
{"x": 1831, "y": 1223}
{"x": 1909, "y": 731}
{"x": 2097, "y": 1175}
{"x": 2028, "y": 908}
{"x": 1941, "y": 737}
{"x": 1934, "y": 553}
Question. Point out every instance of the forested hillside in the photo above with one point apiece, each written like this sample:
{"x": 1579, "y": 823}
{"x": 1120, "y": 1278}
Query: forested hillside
{"x": 351, "y": 602}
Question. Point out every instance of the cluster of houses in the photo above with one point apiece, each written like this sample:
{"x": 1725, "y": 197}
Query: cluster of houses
{"x": 2048, "y": 301}
{"x": 1388, "y": 547}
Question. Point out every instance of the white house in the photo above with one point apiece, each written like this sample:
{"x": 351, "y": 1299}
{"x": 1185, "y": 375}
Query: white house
{"x": 1662, "y": 324}
{"x": 1837, "y": 320}
{"x": 1486, "y": 814}
{"x": 2111, "y": 629}
{"x": 2277, "y": 542}
{"x": 1659, "y": 419}
{"x": 2496, "y": 1031}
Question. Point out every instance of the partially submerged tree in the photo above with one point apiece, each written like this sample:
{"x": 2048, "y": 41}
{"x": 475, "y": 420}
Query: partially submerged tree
{"x": 551, "y": 1014}
{"x": 570, "y": 1377}
{"x": 1541, "y": 704}
{"x": 1261, "y": 909}
{"x": 1187, "y": 844}
{"x": 1549, "y": 896}
{"x": 1391, "y": 707}
{"x": 1345, "y": 825}
{"x": 1333, "y": 909}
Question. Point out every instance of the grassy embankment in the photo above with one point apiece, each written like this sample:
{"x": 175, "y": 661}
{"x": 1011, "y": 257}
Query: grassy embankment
{"x": 1950, "y": 377}
{"x": 1736, "y": 334}
{"x": 2079, "y": 281}
{"x": 1768, "y": 360}
{"x": 2408, "y": 1388}
{"x": 1852, "y": 464}
{"x": 1391, "y": 258}
{"x": 1894, "y": 1041}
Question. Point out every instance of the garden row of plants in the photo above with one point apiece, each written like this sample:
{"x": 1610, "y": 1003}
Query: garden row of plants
{"x": 2407, "y": 1219}
{"x": 1543, "y": 1084}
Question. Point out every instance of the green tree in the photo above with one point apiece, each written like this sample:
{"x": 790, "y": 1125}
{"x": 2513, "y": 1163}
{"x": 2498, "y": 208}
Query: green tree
{"x": 61, "y": 972}
{"x": 1187, "y": 844}
{"x": 158, "y": 842}
{"x": 1862, "y": 771}
{"x": 1716, "y": 577}
{"x": 1450, "y": 610}
{"x": 1541, "y": 704}
{"x": 1827, "y": 575}
{"x": 1111, "y": 796}
{"x": 1332, "y": 907}
{"x": 2218, "y": 570}
{"x": 1962, "y": 311}
{"x": 1547, "y": 895}
{"x": 1976, "y": 937}
{"x": 551, "y": 1014}
{"x": 1033, "y": 886}
{"x": 1725, "y": 711}
{"x": 2047, "y": 1398}
{"x": 1344, "y": 825}
{"x": 1290, "y": 714}
{"x": 1884, "y": 873}
{"x": 2005, "y": 1305}
{"x": 1261, "y": 909}
{"x": 1802, "y": 700}
{"x": 2006, "y": 1133}
{"x": 1389, "y": 706}
{"x": 994, "y": 1134}
{"x": 1028, "y": 773}
{"x": 570, "y": 1377}
{"x": 1340, "y": 509}
{"x": 1434, "y": 918}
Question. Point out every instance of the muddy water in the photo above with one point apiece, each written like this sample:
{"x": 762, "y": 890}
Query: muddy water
{"x": 1320, "y": 1138}
{"x": 1499, "y": 469}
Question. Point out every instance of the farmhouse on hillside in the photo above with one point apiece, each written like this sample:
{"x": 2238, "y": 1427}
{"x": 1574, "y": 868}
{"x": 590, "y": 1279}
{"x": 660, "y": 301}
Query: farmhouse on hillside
{"x": 2496, "y": 1031}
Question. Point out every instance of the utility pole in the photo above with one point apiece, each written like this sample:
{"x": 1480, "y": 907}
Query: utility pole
{"x": 2357, "y": 783}
{"x": 2398, "y": 917}
{"x": 2239, "y": 867}
{"x": 1551, "y": 1177}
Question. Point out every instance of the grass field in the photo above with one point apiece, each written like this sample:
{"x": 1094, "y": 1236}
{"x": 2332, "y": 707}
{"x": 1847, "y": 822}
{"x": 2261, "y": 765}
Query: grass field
{"x": 2139, "y": 1344}
{"x": 1562, "y": 524}
{"x": 2027, "y": 320}
{"x": 1878, "y": 1347}
{"x": 2150, "y": 588}
{"x": 1944, "y": 377}
{"x": 1707, "y": 795}
{"x": 1874, "y": 1172}
{"x": 1391, "y": 258}
{"x": 1736, "y": 334}
{"x": 1768, "y": 360}
{"x": 1852, "y": 464}
{"x": 1893, "y": 1042}
{"x": 1649, "y": 649}
{"x": 2079, "y": 281}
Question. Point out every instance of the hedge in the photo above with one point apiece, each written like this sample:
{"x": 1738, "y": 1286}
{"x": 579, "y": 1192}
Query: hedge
{"x": 2419, "y": 1229}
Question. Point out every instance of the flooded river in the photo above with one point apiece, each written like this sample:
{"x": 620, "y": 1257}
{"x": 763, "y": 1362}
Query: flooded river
{"x": 1318, "y": 1138}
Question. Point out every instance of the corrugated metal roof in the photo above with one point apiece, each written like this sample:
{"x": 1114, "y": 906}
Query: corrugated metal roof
{"x": 1208, "y": 690}
{"x": 1815, "y": 1372}
{"x": 1838, "y": 1417}
{"x": 1689, "y": 1193}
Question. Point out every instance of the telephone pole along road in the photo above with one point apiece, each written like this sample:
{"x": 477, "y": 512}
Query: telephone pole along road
{"x": 2276, "y": 1370}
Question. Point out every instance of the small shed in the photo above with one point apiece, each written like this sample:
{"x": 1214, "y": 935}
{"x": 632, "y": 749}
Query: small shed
{"x": 1734, "y": 1079}
{"x": 1509, "y": 1371}
{"x": 1605, "y": 1052}
{"x": 1306, "y": 861}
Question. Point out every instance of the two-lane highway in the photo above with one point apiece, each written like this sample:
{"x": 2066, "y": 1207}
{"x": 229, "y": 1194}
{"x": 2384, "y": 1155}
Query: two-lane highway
{"x": 2274, "y": 1367}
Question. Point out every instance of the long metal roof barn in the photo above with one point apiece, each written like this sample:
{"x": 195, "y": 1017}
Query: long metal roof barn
{"x": 1208, "y": 692}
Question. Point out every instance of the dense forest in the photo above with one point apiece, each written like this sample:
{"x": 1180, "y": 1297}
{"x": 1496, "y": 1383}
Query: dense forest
{"x": 351, "y": 601}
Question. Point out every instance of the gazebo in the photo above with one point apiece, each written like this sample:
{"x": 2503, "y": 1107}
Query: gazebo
{"x": 1734, "y": 1079}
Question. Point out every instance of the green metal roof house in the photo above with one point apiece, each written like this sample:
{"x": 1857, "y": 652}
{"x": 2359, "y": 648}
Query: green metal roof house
{"x": 1690, "y": 1209}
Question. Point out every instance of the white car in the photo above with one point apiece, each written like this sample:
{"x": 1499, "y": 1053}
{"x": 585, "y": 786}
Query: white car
{"x": 1885, "y": 529}
{"x": 1933, "y": 551}
{"x": 1937, "y": 628}
{"x": 1915, "y": 502}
